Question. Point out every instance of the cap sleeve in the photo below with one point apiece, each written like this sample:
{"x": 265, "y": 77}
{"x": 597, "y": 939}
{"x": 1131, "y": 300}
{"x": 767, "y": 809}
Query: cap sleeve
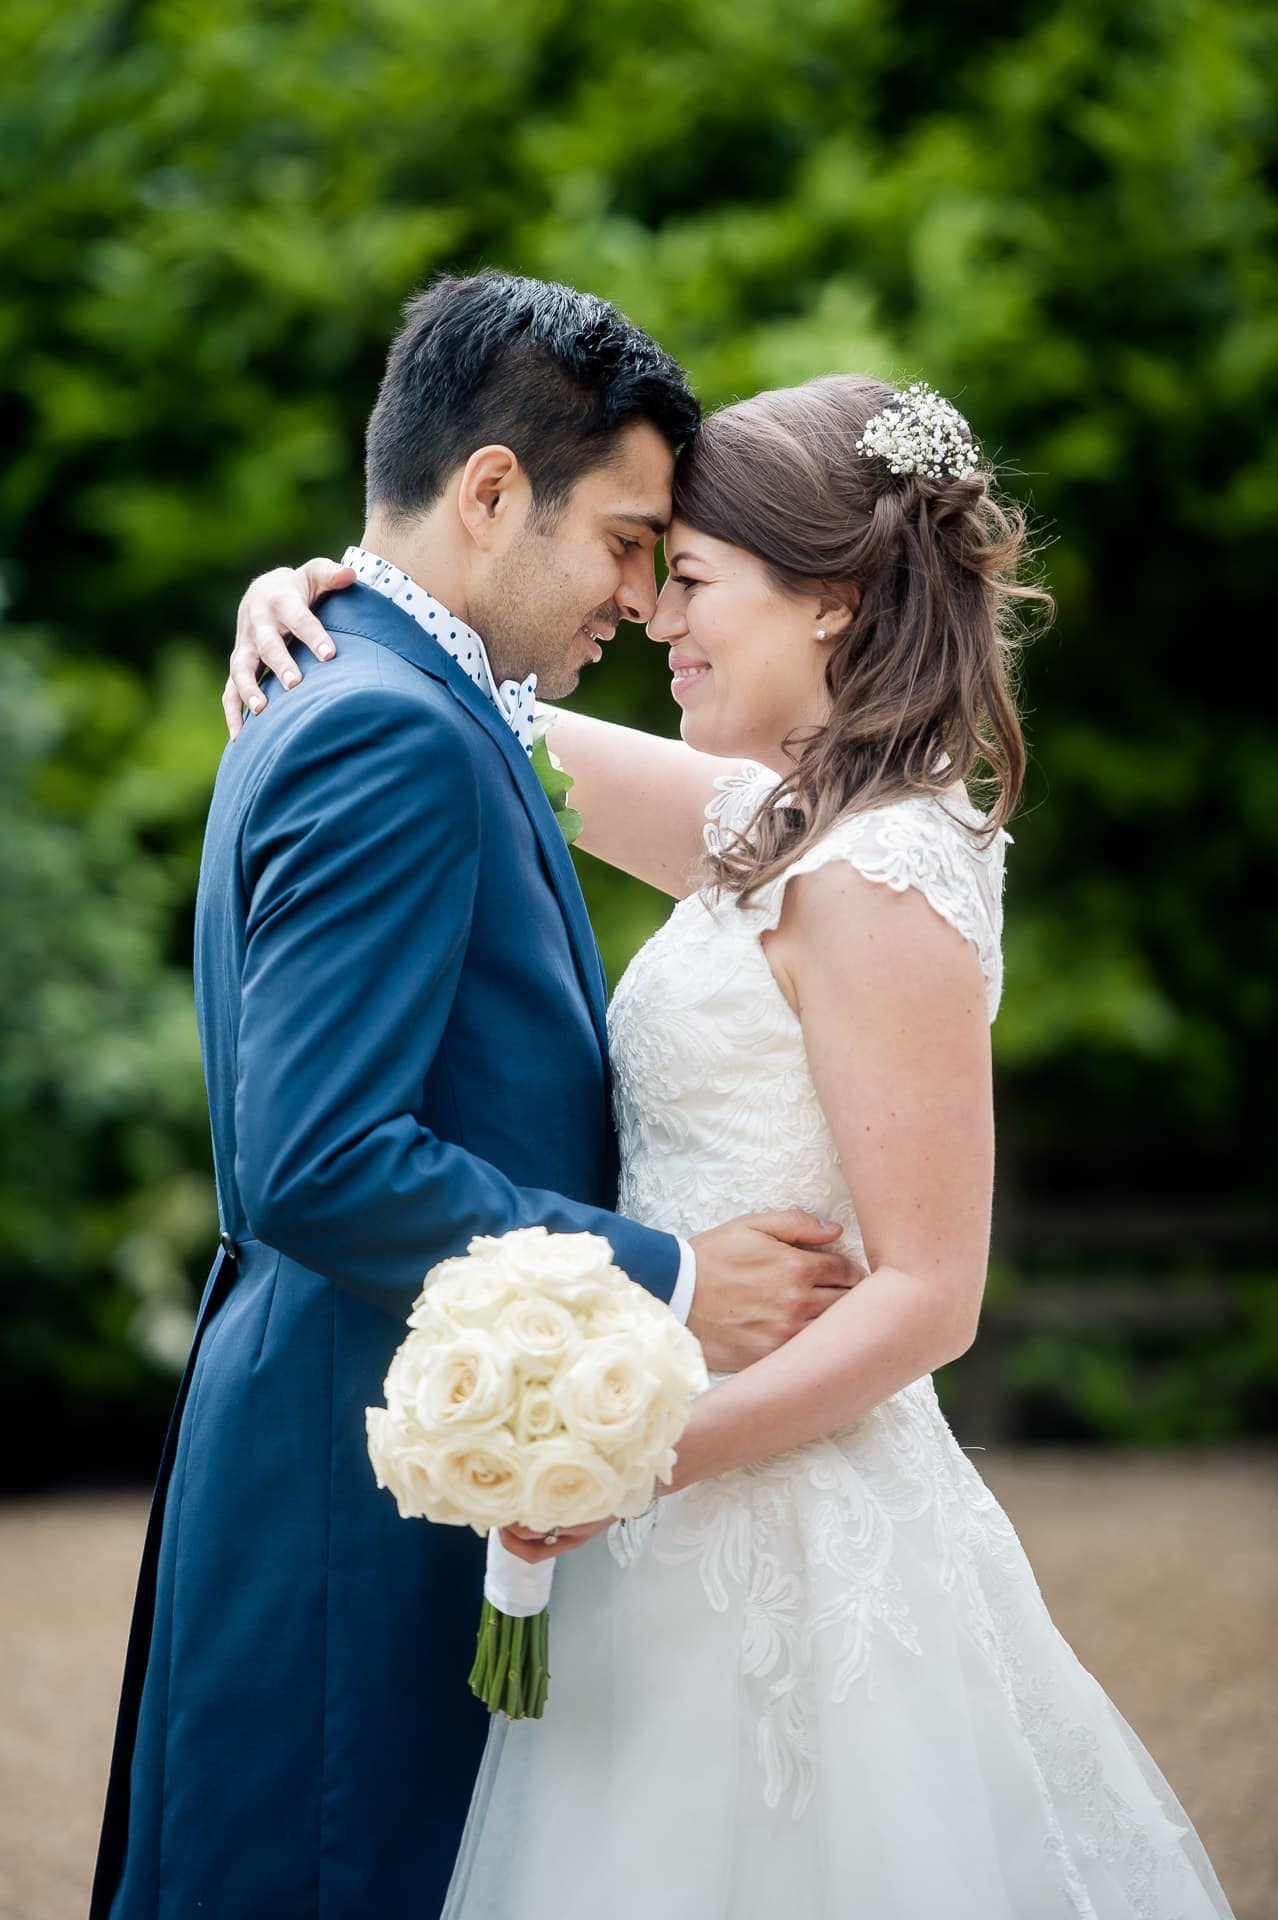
{"x": 738, "y": 795}
{"x": 923, "y": 843}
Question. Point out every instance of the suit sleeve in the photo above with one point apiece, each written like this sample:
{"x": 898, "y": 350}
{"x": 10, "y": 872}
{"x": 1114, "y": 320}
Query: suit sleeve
{"x": 360, "y": 862}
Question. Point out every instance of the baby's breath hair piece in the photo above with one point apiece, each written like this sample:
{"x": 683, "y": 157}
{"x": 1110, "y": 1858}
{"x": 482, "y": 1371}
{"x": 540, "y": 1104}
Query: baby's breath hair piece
{"x": 922, "y": 433}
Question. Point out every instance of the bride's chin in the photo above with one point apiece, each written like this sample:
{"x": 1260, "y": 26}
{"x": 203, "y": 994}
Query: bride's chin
{"x": 695, "y": 733}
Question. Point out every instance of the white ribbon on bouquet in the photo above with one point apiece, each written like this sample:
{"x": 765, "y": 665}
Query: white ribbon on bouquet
{"x": 515, "y": 1586}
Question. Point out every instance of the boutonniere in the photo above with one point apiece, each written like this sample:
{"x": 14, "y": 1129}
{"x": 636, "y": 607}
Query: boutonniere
{"x": 555, "y": 783}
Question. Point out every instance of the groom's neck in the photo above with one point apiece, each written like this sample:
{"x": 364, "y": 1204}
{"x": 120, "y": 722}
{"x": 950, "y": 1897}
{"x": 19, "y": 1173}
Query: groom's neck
{"x": 421, "y": 549}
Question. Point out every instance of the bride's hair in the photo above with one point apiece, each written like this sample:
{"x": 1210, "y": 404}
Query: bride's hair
{"x": 934, "y": 570}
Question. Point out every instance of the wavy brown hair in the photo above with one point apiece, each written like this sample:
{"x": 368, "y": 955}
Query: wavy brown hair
{"x": 934, "y": 572}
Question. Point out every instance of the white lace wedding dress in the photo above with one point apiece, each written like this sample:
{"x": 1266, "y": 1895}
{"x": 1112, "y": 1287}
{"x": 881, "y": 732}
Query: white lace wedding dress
{"x": 824, "y": 1687}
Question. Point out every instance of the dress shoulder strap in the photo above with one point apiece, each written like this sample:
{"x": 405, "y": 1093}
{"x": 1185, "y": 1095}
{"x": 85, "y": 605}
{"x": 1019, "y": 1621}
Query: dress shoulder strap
{"x": 738, "y": 796}
{"x": 936, "y": 844}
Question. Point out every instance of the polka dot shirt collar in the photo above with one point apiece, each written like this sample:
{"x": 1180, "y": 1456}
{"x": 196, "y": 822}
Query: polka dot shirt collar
{"x": 514, "y": 700}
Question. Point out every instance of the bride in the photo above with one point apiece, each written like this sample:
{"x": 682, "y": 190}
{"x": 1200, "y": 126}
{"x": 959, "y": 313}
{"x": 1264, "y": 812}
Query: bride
{"x": 819, "y": 1679}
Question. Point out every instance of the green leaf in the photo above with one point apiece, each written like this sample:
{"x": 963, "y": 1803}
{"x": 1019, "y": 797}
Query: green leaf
{"x": 556, "y": 785}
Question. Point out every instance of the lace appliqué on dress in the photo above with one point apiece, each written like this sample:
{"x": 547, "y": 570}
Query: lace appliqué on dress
{"x": 935, "y": 845}
{"x": 816, "y": 1554}
{"x": 738, "y": 796}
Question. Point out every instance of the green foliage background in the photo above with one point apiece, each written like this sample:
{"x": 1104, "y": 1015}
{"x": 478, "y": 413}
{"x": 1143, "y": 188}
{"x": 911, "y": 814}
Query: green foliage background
{"x": 1063, "y": 215}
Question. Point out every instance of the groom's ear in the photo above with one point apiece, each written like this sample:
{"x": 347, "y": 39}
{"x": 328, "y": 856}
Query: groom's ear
{"x": 493, "y": 497}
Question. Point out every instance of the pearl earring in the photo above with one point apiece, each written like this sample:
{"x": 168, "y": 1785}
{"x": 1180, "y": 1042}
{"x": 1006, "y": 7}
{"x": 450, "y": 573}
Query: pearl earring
{"x": 820, "y": 633}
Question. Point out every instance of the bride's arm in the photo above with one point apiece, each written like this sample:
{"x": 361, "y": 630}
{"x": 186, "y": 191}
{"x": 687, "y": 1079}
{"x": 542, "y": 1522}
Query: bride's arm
{"x": 894, "y": 1018}
{"x": 642, "y": 798}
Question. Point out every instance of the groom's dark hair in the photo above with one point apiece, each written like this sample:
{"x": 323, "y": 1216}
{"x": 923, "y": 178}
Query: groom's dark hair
{"x": 495, "y": 359}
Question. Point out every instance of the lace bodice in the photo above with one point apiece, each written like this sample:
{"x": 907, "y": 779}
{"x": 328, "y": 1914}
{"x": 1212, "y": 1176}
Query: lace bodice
{"x": 715, "y": 1104}
{"x": 825, "y": 1681}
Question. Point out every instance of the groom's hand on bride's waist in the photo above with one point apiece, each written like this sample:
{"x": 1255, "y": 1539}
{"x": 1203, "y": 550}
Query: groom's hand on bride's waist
{"x": 761, "y": 1279}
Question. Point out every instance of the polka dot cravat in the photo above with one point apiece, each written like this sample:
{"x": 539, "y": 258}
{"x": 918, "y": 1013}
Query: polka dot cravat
{"x": 514, "y": 700}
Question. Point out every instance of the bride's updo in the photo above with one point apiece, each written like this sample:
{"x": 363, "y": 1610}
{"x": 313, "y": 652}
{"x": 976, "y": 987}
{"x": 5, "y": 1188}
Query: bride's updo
{"x": 931, "y": 564}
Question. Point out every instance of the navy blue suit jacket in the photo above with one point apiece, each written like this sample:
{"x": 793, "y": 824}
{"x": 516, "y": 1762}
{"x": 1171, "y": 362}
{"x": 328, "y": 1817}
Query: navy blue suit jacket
{"x": 402, "y": 1016}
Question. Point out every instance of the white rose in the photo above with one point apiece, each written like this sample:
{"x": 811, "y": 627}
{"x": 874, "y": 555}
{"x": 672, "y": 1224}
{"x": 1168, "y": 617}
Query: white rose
{"x": 483, "y": 1478}
{"x": 537, "y": 1334}
{"x": 674, "y": 1355}
{"x": 430, "y": 1316}
{"x": 645, "y": 1306}
{"x": 471, "y": 1292}
{"x": 652, "y": 1450}
{"x": 604, "y": 1394}
{"x": 469, "y": 1383}
{"x": 456, "y": 1268}
{"x": 567, "y": 1485}
{"x": 639, "y": 1485}
{"x": 569, "y": 1267}
{"x": 403, "y": 1376}
{"x": 652, "y": 1453}
{"x": 534, "y": 1251}
{"x": 405, "y": 1468}
{"x": 608, "y": 1314}
{"x": 665, "y": 1422}
{"x": 536, "y": 1415}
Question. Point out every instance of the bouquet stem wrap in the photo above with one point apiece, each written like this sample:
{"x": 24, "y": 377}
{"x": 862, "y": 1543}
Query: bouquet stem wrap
{"x": 511, "y": 1674}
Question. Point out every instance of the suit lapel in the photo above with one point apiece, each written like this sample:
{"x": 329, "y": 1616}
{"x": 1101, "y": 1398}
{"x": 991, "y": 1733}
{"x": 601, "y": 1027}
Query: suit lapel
{"x": 359, "y": 609}
{"x": 559, "y": 865}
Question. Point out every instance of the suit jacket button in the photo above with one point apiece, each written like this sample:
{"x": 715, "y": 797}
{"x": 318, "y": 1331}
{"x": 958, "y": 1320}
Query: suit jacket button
{"x": 228, "y": 1246}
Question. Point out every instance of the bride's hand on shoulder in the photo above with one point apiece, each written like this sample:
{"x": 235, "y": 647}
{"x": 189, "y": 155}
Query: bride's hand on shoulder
{"x": 277, "y": 607}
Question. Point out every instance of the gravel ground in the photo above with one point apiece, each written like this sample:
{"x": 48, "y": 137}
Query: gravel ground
{"x": 1162, "y": 1572}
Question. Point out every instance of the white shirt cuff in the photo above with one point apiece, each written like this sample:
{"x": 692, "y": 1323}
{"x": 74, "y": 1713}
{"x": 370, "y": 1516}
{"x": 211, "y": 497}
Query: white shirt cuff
{"x": 685, "y": 1283}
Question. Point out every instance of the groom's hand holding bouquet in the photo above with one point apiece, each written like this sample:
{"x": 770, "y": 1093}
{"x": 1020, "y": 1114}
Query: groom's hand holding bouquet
{"x": 541, "y": 1389}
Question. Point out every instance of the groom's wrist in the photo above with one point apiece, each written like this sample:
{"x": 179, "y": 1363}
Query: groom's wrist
{"x": 685, "y": 1285}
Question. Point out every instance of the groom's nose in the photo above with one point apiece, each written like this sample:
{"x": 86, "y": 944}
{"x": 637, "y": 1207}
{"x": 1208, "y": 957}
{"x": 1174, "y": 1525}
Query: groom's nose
{"x": 637, "y": 593}
{"x": 665, "y": 622}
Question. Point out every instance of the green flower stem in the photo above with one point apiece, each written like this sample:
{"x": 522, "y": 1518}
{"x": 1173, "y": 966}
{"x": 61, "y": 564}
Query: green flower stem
{"x": 505, "y": 1629}
{"x": 481, "y": 1673}
{"x": 515, "y": 1675}
{"x": 510, "y": 1673}
{"x": 537, "y": 1664}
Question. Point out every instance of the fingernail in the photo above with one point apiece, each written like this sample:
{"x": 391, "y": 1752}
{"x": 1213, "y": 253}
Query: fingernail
{"x": 291, "y": 679}
{"x": 257, "y": 705}
{"x": 829, "y": 1223}
{"x": 326, "y": 653}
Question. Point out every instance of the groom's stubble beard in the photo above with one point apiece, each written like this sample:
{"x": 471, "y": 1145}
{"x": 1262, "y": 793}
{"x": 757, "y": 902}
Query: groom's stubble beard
{"x": 528, "y": 615}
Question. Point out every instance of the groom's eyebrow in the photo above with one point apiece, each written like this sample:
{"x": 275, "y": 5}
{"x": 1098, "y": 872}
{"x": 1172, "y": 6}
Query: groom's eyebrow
{"x": 648, "y": 520}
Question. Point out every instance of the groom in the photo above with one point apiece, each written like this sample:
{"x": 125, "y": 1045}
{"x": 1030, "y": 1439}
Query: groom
{"x": 401, "y": 1011}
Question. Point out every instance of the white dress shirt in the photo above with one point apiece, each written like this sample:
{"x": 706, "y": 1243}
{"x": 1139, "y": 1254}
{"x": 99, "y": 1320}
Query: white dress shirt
{"x": 514, "y": 700}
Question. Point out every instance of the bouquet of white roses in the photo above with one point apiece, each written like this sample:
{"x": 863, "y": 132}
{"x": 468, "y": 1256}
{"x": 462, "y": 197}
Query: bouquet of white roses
{"x": 538, "y": 1387}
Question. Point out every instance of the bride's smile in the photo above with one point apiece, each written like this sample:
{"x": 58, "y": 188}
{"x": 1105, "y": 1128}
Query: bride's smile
{"x": 747, "y": 665}
{"x": 686, "y": 673}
